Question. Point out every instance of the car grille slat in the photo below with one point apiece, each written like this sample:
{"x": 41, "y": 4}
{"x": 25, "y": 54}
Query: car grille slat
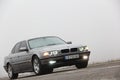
{"x": 65, "y": 51}
{"x": 69, "y": 50}
{"x": 73, "y": 49}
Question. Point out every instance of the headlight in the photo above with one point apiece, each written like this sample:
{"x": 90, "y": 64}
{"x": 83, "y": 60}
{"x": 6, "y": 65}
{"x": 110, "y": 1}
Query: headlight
{"x": 53, "y": 53}
{"x": 46, "y": 54}
{"x": 83, "y": 48}
{"x": 86, "y": 48}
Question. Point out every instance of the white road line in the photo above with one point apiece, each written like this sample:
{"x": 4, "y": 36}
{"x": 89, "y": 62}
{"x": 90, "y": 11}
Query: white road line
{"x": 86, "y": 69}
{"x": 108, "y": 67}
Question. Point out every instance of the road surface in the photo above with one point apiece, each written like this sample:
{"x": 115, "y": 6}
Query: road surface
{"x": 101, "y": 71}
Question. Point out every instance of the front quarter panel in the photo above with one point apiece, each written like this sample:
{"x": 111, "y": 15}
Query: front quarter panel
{"x": 36, "y": 53}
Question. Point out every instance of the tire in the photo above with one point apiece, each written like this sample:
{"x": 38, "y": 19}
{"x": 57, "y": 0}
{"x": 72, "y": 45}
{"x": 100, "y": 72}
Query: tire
{"x": 37, "y": 68}
{"x": 11, "y": 73}
{"x": 81, "y": 65}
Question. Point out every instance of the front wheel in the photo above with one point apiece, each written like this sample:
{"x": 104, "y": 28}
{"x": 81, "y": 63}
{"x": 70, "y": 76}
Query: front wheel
{"x": 37, "y": 66}
{"x": 11, "y": 74}
{"x": 81, "y": 65}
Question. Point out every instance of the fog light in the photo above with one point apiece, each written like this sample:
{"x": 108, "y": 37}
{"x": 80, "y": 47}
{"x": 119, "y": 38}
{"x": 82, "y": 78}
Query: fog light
{"x": 52, "y": 62}
{"x": 85, "y": 57}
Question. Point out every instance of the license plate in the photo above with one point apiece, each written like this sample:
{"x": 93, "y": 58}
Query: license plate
{"x": 71, "y": 57}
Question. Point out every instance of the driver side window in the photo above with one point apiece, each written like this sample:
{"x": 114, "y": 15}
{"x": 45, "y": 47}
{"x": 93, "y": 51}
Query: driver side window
{"x": 23, "y": 44}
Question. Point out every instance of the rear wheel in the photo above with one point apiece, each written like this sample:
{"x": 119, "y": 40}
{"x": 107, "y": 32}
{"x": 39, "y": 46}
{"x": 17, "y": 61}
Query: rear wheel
{"x": 37, "y": 68}
{"x": 81, "y": 65}
{"x": 11, "y": 74}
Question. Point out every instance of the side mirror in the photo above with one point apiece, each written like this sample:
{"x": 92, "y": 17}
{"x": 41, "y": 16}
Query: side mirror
{"x": 23, "y": 49}
{"x": 69, "y": 42}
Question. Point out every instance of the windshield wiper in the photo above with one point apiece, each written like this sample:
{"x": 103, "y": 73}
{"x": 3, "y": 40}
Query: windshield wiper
{"x": 51, "y": 44}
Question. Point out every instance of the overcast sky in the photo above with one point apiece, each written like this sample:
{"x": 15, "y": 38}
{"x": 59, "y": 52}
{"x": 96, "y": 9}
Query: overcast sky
{"x": 95, "y": 23}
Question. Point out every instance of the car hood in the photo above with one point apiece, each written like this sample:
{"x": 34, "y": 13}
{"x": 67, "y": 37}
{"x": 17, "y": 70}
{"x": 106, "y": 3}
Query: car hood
{"x": 56, "y": 47}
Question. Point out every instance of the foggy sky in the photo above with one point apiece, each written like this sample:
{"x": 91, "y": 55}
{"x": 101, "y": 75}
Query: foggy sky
{"x": 95, "y": 23}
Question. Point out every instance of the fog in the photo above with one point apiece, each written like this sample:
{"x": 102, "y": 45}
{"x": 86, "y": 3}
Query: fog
{"x": 95, "y": 23}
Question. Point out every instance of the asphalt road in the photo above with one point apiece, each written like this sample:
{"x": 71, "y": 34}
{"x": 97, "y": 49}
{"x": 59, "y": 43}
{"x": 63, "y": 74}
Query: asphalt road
{"x": 101, "y": 71}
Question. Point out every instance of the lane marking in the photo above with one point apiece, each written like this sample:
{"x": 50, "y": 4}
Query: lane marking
{"x": 108, "y": 67}
{"x": 89, "y": 69}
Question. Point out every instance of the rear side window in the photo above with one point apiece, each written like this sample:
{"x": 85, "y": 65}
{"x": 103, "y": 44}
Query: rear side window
{"x": 13, "y": 50}
{"x": 16, "y": 48}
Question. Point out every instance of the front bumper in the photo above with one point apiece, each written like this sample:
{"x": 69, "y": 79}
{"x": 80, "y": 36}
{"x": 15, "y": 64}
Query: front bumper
{"x": 60, "y": 61}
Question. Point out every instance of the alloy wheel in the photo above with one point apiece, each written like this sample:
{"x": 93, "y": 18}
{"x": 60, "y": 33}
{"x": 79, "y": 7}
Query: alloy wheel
{"x": 36, "y": 66}
{"x": 10, "y": 72}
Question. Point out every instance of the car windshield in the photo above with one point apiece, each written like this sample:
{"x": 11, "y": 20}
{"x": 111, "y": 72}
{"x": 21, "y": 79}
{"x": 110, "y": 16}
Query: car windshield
{"x": 45, "y": 41}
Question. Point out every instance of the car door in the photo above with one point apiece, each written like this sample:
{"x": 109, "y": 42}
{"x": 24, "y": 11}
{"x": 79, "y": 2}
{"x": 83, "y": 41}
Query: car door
{"x": 14, "y": 61}
{"x": 24, "y": 57}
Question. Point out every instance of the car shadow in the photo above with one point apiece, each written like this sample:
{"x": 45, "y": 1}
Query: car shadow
{"x": 33, "y": 75}
{"x": 64, "y": 70}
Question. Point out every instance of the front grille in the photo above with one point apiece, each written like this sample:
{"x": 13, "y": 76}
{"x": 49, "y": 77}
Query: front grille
{"x": 65, "y": 51}
{"x": 69, "y": 50}
{"x": 73, "y": 49}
